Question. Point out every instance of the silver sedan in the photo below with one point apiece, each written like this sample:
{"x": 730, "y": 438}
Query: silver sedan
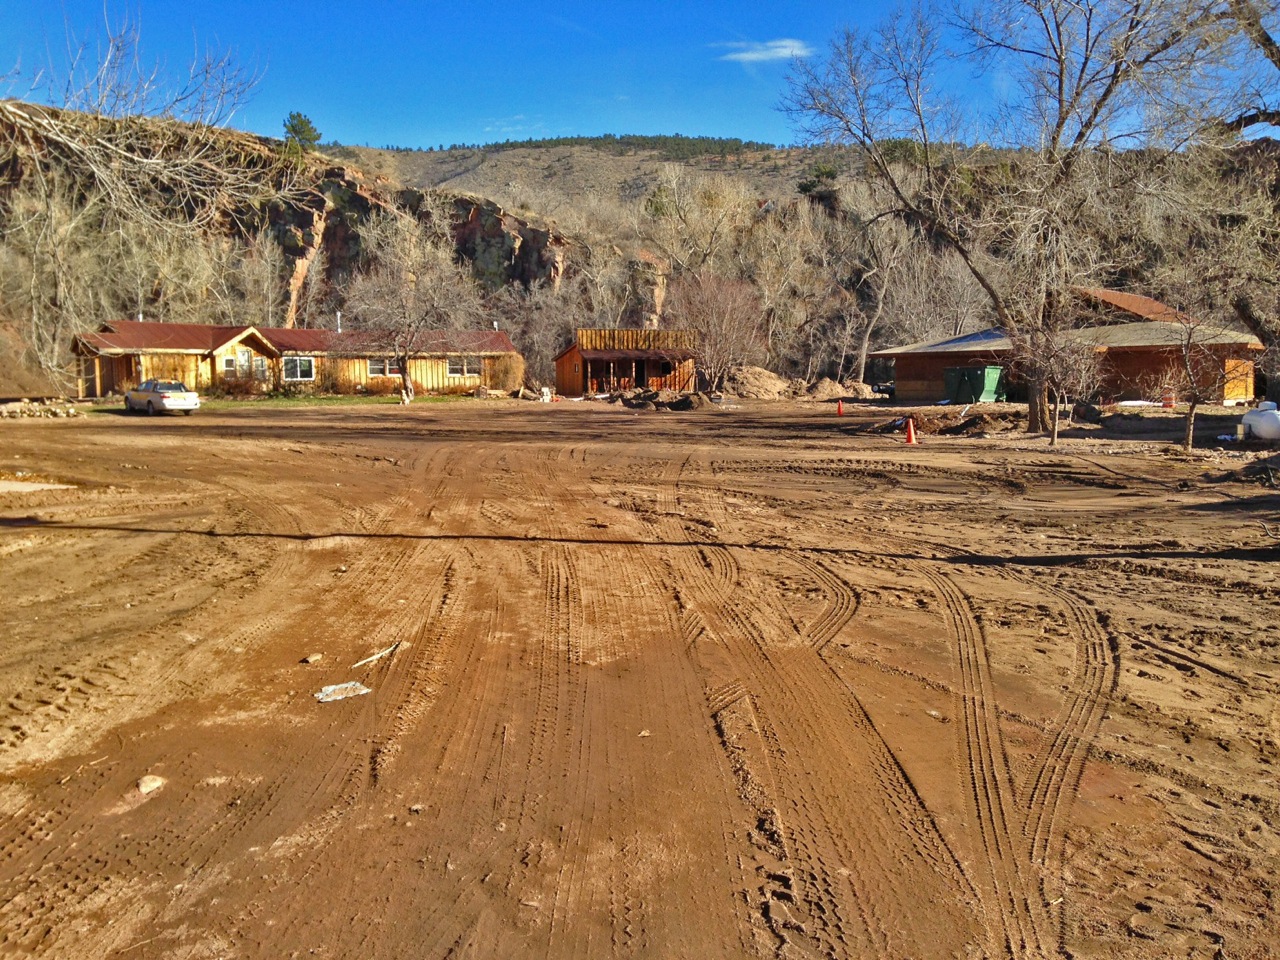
{"x": 158, "y": 396}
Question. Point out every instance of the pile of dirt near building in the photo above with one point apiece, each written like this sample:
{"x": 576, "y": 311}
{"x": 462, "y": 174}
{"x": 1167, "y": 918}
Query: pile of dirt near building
{"x": 757, "y": 383}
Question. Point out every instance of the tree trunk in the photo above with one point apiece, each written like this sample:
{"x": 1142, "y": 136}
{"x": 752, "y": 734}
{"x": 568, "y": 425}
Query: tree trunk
{"x": 406, "y": 383}
{"x": 1189, "y": 436}
{"x": 1037, "y": 406}
{"x": 864, "y": 347}
{"x": 1057, "y": 409}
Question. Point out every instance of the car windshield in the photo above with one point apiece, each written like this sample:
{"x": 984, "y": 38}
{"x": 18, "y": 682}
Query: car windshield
{"x": 170, "y": 386}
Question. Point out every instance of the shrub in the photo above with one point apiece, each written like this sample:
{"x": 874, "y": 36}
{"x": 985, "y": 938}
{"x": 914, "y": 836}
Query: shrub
{"x": 507, "y": 372}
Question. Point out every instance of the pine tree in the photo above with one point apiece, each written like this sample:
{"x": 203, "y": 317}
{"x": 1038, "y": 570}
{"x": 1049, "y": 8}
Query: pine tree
{"x": 300, "y": 134}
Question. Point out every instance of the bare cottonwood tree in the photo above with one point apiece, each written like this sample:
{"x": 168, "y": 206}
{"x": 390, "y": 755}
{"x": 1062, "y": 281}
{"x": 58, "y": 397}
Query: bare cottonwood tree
{"x": 130, "y": 159}
{"x": 725, "y": 315}
{"x": 1084, "y": 76}
{"x": 694, "y": 220}
{"x": 411, "y": 286}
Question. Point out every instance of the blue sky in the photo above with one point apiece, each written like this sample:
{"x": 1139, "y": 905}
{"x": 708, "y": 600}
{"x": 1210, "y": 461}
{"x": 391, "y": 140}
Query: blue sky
{"x": 425, "y": 74}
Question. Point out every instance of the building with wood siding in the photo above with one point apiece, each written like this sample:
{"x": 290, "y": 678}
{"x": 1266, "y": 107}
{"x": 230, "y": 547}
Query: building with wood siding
{"x": 1137, "y": 339}
{"x": 606, "y": 361}
{"x": 124, "y": 353}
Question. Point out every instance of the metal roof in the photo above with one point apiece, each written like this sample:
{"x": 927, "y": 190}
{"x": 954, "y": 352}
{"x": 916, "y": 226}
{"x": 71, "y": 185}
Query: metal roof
{"x": 1149, "y": 334}
{"x": 133, "y": 336}
{"x": 149, "y": 336}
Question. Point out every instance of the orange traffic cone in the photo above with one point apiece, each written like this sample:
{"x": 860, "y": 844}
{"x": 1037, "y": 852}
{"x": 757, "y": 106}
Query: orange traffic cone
{"x": 911, "y": 430}
{"x": 839, "y": 408}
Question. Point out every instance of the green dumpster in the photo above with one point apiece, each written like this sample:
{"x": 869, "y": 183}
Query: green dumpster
{"x": 973, "y": 384}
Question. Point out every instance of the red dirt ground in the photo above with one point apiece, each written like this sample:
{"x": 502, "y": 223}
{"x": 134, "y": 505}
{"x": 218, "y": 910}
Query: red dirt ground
{"x": 732, "y": 683}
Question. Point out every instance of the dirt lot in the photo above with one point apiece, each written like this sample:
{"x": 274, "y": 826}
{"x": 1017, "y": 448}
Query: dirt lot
{"x": 731, "y": 683}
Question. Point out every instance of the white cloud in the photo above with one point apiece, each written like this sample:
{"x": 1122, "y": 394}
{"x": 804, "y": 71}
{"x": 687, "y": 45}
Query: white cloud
{"x": 769, "y": 50}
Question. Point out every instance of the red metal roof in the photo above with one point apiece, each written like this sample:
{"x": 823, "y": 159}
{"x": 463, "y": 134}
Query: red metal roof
{"x": 140, "y": 336}
{"x": 131, "y": 336}
{"x": 1132, "y": 303}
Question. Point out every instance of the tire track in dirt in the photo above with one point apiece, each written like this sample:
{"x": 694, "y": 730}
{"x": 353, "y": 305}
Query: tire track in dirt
{"x": 1052, "y": 788}
{"x": 844, "y": 905}
{"x": 1014, "y": 903}
{"x": 910, "y": 806}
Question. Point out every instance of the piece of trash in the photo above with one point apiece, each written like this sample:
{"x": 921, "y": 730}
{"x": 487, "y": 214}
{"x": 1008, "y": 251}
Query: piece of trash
{"x": 150, "y": 784}
{"x": 1227, "y": 437}
{"x": 381, "y": 653}
{"x": 340, "y": 691}
{"x": 313, "y": 658}
{"x": 416, "y": 808}
{"x": 643, "y": 733}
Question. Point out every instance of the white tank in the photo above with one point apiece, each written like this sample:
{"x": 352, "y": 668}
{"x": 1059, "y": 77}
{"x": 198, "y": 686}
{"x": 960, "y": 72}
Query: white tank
{"x": 1263, "y": 423}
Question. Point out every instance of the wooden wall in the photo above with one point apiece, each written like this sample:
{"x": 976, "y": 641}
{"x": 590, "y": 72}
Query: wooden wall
{"x": 628, "y": 338}
{"x": 570, "y": 378}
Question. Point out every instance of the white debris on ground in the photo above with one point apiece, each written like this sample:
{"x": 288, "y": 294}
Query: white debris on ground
{"x": 341, "y": 691}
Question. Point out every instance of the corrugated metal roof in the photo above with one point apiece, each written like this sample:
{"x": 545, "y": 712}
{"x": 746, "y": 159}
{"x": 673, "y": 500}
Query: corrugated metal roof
{"x": 1134, "y": 304}
{"x": 131, "y": 336}
{"x": 141, "y": 336}
{"x": 986, "y": 341}
{"x": 1118, "y": 336}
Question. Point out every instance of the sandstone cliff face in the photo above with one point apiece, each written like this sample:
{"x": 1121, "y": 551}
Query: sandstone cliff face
{"x": 501, "y": 248}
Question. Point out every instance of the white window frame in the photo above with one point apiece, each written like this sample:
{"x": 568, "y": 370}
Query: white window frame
{"x": 296, "y": 362}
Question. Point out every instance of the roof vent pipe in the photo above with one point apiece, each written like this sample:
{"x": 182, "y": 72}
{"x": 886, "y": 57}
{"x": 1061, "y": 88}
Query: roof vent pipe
{"x": 339, "y": 321}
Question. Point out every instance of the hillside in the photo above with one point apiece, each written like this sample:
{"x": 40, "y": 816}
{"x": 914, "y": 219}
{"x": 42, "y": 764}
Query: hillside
{"x": 548, "y": 179}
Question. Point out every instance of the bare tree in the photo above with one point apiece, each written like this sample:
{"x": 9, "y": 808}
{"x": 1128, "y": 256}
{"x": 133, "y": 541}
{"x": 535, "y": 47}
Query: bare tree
{"x": 694, "y": 220}
{"x": 411, "y": 286}
{"x": 725, "y": 315}
{"x": 132, "y": 160}
{"x": 1085, "y": 75}
{"x": 1069, "y": 364}
{"x": 541, "y": 321}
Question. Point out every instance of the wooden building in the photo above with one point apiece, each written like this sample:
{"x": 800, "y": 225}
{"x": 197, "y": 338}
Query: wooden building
{"x": 606, "y": 361}
{"x": 1138, "y": 341}
{"x": 123, "y": 353}
{"x": 447, "y": 361}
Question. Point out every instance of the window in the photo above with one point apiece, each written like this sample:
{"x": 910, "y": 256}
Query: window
{"x": 299, "y": 368}
{"x": 464, "y": 366}
{"x": 259, "y": 368}
{"x": 229, "y": 366}
{"x": 385, "y": 367}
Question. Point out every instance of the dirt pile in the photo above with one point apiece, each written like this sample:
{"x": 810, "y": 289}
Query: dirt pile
{"x": 825, "y": 389}
{"x": 755, "y": 383}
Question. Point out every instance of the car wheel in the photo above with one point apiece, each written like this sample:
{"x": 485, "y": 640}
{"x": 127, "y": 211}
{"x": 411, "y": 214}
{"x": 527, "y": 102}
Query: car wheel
{"x": 127, "y": 407}
{"x": 151, "y": 409}
{"x": 188, "y": 412}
